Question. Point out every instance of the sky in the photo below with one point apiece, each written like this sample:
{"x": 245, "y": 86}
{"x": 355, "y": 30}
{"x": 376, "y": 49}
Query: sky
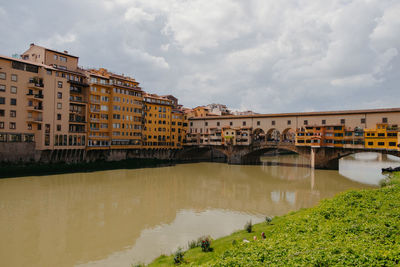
{"x": 268, "y": 56}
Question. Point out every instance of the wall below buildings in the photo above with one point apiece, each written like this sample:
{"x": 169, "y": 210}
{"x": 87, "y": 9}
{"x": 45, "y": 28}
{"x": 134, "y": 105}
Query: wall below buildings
{"x": 23, "y": 153}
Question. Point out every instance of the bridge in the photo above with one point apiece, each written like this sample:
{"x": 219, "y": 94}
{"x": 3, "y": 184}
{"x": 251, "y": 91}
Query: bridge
{"x": 320, "y": 157}
{"x": 252, "y": 136}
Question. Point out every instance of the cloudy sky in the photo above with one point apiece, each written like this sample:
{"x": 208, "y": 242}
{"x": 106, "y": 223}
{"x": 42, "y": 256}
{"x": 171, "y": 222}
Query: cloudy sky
{"x": 265, "y": 55}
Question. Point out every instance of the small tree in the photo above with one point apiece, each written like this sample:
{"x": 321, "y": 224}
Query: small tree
{"x": 178, "y": 256}
{"x": 248, "y": 226}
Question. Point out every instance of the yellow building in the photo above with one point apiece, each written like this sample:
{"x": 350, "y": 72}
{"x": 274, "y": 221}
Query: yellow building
{"x": 384, "y": 136}
{"x": 165, "y": 122}
{"x": 157, "y": 129}
{"x": 116, "y": 111}
{"x": 178, "y": 128}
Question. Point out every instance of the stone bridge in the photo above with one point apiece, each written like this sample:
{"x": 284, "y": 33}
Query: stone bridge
{"x": 320, "y": 157}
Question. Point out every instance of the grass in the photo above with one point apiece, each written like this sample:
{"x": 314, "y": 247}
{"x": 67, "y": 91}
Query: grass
{"x": 358, "y": 228}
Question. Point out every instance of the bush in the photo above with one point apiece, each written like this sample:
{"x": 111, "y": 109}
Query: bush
{"x": 206, "y": 245}
{"x": 248, "y": 226}
{"x": 268, "y": 220}
{"x": 178, "y": 256}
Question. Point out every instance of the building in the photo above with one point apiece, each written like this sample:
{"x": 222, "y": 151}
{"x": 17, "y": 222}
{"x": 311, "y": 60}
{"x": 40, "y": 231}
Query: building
{"x": 165, "y": 125}
{"x": 383, "y": 136}
{"x": 68, "y": 128}
{"x": 35, "y": 98}
{"x": 116, "y": 111}
{"x": 218, "y": 109}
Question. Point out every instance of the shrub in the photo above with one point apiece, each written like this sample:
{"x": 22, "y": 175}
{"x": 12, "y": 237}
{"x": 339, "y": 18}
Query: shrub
{"x": 178, "y": 256}
{"x": 268, "y": 219}
{"x": 248, "y": 226}
{"x": 206, "y": 245}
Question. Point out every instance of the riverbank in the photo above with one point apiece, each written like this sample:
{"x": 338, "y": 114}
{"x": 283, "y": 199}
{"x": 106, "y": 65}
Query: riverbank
{"x": 359, "y": 227}
{"x": 40, "y": 169}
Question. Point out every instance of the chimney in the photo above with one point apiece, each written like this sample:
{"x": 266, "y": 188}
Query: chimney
{"x": 65, "y": 51}
{"x": 32, "y": 44}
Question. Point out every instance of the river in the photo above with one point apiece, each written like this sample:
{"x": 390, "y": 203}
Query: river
{"x": 121, "y": 217}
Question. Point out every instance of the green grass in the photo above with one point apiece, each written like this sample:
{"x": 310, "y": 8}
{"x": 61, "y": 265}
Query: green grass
{"x": 357, "y": 228}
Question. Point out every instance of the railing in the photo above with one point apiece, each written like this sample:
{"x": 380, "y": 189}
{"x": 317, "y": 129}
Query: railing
{"x": 36, "y": 84}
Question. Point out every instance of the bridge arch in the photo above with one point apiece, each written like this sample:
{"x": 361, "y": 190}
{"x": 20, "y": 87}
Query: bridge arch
{"x": 273, "y": 135}
{"x": 328, "y": 158}
{"x": 259, "y": 136}
{"x": 288, "y": 135}
{"x": 253, "y": 157}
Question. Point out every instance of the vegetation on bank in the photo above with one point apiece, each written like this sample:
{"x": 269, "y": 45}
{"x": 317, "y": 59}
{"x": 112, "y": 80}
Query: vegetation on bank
{"x": 357, "y": 228}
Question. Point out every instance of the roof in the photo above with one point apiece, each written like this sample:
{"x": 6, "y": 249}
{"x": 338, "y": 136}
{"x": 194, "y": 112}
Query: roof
{"x": 55, "y": 51}
{"x": 27, "y": 62}
{"x": 340, "y": 112}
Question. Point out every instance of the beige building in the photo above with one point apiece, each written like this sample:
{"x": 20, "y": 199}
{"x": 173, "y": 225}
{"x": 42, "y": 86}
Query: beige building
{"x": 64, "y": 99}
{"x": 281, "y": 127}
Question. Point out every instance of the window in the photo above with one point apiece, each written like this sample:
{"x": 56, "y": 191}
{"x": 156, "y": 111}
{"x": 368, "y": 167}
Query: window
{"x": 60, "y": 84}
{"x": 363, "y": 120}
{"x": 12, "y": 125}
{"x": 59, "y": 116}
{"x": 14, "y": 77}
{"x": 384, "y": 120}
{"x": 342, "y": 121}
{"x": 1, "y": 125}
{"x": 13, "y": 113}
{"x": 13, "y": 101}
{"x": 63, "y": 59}
{"x": 305, "y": 122}
{"x": 2, "y": 88}
{"x": 59, "y": 105}
{"x": 392, "y": 143}
{"x": 218, "y": 123}
{"x": 13, "y": 89}
{"x": 49, "y": 72}
{"x": 381, "y": 143}
{"x": 2, "y": 100}
{"x": 244, "y": 123}
{"x": 2, "y": 75}
{"x": 258, "y": 123}
{"x": 272, "y": 122}
{"x": 58, "y": 127}
{"x": 230, "y": 123}
{"x": 206, "y": 123}
{"x": 2, "y": 112}
{"x": 191, "y": 123}
{"x": 59, "y": 95}
{"x": 289, "y": 122}
{"x": 323, "y": 122}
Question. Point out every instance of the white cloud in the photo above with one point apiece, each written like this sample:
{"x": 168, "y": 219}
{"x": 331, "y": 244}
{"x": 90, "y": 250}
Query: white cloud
{"x": 59, "y": 40}
{"x": 135, "y": 14}
{"x": 265, "y": 55}
{"x": 142, "y": 56}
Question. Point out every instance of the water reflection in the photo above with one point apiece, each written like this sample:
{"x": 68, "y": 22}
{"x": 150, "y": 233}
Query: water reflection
{"x": 115, "y": 218}
{"x": 366, "y": 167}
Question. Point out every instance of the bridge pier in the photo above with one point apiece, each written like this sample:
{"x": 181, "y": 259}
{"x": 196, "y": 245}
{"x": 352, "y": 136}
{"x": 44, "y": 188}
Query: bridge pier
{"x": 324, "y": 158}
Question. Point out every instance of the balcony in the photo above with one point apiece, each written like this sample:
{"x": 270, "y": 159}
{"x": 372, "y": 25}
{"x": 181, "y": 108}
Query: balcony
{"x": 35, "y": 120}
{"x": 77, "y": 100}
{"x": 94, "y": 119}
{"x": 78, "y": 83}
{"x": 35, "y": 108}
{"x": 36, "y": 83}
{"x": 94, "y": 110}
{"x": 94, "y": 129}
